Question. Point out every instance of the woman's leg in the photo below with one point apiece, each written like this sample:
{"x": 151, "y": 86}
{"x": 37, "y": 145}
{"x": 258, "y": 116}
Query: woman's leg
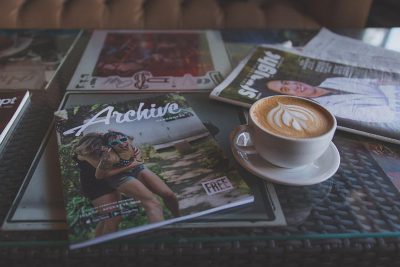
{"x": 135, "y": 188}
{"x": 157, "y": 186}
{"x": 109, "y": 225}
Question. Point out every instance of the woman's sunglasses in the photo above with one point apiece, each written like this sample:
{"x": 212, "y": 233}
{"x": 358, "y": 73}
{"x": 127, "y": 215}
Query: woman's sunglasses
{"x": 118, "y": 141}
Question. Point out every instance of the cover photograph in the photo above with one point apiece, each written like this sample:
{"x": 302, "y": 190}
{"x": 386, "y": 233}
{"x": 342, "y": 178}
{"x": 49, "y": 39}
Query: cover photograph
{"x": 29, "y": 58}
{"x": 364, "y": 101}
{"x": 152, "y": 61}
{"x": 131, "y": 166}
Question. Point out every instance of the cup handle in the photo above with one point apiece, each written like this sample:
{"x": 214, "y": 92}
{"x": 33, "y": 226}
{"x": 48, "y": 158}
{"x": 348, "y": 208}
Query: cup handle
{"x": 240, "y": 132}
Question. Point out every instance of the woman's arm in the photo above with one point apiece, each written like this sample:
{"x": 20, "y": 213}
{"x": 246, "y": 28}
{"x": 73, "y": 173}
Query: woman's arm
{"x": 103, "y": 173}
{"x": 105, "y": 167}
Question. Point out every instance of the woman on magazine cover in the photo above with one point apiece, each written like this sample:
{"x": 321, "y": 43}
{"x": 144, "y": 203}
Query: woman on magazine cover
{"x": 138, "y": 182}
{"x": 366, "y": 100}
{"x": 87, "y": 152}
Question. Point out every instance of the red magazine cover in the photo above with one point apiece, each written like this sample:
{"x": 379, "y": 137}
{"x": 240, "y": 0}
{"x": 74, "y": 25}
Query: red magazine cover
{"x": 152, "y": 60}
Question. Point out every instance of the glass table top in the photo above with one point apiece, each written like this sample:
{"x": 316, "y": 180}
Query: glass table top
{"x": 362, "y": 200}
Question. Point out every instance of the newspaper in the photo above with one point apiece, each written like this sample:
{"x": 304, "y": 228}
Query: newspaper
{"x": 333, "y": 47}
{"x": 364, "y": 100}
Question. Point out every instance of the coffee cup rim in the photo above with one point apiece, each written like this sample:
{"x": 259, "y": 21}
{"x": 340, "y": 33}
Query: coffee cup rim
{"x": 302, "y": 139}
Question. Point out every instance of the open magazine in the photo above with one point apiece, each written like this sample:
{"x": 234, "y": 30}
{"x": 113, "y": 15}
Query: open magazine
{"x": 152, "y": 61}
{"x": 152, "y": 158}
{"x": 364, "y": 100}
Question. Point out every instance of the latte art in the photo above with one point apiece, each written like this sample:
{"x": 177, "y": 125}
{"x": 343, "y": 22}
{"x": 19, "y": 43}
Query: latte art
{"x": 292, "y": 116}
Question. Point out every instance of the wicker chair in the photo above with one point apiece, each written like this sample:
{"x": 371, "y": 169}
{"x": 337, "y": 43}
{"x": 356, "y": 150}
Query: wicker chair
{"x": 183, "y": 14}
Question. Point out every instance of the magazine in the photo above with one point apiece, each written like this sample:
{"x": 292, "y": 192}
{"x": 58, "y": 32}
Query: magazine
{"x": 29, "y": 58}
{"x": 11, "y": 105}
{"x": 132, "y": 149}
{"x": 364, "y": 101}
{"x": 39, "y": 204}
{"x": 151, "y": 61}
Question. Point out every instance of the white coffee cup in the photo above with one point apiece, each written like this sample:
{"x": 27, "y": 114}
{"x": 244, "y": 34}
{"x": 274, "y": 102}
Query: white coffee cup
{"x": 287, "y": 149}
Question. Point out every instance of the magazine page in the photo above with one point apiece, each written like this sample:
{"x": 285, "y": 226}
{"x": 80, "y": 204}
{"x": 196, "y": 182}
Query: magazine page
{"x": 30, "y": 58}
{"x": 155, "y": 160}
{"x": 151, "y": 60}
{"x": 333, "y": 47}
{"x": 39, "y": 204}
{"x": 364, "y": 101}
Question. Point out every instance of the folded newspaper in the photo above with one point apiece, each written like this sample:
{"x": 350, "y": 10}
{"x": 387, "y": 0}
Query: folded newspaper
{"x": 327, "y": 45}
{"x": 364, "y": 100}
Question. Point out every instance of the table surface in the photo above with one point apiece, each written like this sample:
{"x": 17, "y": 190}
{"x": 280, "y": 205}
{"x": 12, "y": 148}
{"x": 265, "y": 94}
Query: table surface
{"x": 360, "y": 201}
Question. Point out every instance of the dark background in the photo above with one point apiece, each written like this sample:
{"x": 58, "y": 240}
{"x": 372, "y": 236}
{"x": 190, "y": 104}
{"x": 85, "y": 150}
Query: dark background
{"x": 384, "y": 13}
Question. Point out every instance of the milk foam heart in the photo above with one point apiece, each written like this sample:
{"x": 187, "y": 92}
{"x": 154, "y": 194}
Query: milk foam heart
{"x": 292, "y": 117}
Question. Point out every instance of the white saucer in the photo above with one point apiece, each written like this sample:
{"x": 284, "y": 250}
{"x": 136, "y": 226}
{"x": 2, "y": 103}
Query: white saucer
{"x": 320, "y": 170}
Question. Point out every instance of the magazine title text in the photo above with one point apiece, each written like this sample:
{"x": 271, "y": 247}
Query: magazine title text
{"x": 7, "y": 101}
{"x": 266, "y": 67}
{"x": 105, "y": 115}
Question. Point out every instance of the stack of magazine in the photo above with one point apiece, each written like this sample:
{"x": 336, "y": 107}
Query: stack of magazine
{"x": 131, "y": 165}
{"x": 140, "y": 147}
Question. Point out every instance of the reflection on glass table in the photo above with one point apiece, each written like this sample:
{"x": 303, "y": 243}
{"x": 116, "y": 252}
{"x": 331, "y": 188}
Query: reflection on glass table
{"x": 29, "y": 59}
{"x": 361, "y": 200}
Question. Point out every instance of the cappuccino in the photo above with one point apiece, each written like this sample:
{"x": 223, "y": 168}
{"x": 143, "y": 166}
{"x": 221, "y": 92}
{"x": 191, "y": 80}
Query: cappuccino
{"x": 291, "y": 117}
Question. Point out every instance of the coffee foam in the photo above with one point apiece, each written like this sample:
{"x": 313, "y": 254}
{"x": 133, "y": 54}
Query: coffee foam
{"x": 292, "y": 117}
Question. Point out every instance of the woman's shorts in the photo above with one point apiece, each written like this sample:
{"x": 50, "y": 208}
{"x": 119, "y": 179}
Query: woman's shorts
{"x": 96, "y": 188}
{"x": 121, "y": 178}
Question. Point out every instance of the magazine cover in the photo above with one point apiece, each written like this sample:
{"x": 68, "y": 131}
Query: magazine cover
{"x": 132, "y": 166}
{"x": 39, "y": 204}
{"x": 151, "y": 60}
{"x": 364, "y": 101}
{"x": 30, "y": 58}
{"x": 11, "y": 105}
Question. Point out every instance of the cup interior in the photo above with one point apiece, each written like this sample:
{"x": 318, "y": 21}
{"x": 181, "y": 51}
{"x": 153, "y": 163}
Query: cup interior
{"x": 292, "y": 118}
